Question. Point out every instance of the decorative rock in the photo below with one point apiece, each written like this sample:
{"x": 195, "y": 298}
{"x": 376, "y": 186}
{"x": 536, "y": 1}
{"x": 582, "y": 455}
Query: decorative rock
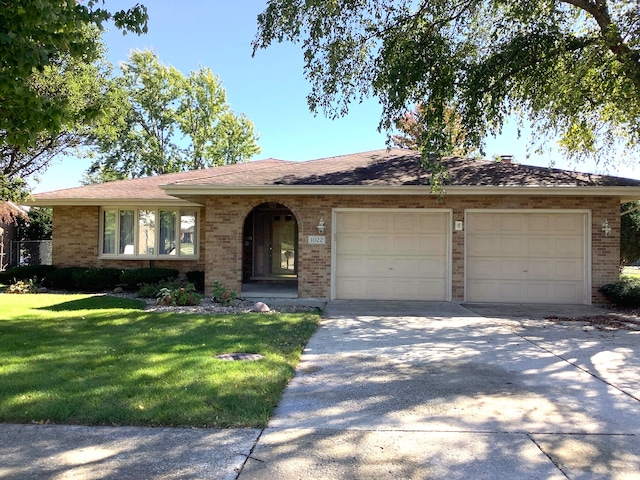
{"x": 118, "y": 290}
{"x": 260, "y": 307}
{"x": 43, "y": 290}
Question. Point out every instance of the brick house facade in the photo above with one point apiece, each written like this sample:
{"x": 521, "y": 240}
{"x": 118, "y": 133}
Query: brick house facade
{"x": 310, "y": 191}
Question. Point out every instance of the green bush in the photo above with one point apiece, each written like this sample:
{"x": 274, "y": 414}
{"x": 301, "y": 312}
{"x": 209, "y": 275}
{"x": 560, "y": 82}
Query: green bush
{"x": 222, "y": 294}
{"x": 138, "y": 276}
{"x": 197, "y": 278}
{"x": 23, "y": 286}
{"x": 151, "y": 290}
{"x": 96, "y": 279}
{"x": 61, "y": 278}
{"x": 15, "y": 274}
{"x": 181, "y": 296}
{"x": 624, "y": 293}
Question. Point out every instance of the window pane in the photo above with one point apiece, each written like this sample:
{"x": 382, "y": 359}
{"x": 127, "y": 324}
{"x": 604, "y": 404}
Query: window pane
{"x": 167, "y": 243}
{"x": 188, "y": 233}
{"x": 126, "y": 232}
{"x": 109, "y": 232}
{"x": 146, "y": 232}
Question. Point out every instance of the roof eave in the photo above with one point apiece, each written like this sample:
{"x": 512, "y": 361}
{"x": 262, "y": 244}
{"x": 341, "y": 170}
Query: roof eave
{"x": 106, "y": 202}
{"x": 626, "y": 193}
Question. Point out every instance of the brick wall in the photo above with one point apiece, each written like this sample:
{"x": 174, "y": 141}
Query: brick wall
{"x": 226, "y": 214}
{"x": 76, "y": 235}
{"x": 76, "y": 240}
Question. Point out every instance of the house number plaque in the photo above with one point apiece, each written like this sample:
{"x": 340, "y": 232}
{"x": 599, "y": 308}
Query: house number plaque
{"x": 316, "y": 239}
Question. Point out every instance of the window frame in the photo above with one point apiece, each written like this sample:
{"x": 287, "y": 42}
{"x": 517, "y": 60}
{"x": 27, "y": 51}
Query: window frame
{"x": 179, "y": 213}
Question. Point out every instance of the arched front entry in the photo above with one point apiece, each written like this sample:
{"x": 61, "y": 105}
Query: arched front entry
{"x": 270, "y": 250}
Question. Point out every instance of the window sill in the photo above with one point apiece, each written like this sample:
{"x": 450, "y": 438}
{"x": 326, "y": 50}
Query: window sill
{"x": 148, "y": 257}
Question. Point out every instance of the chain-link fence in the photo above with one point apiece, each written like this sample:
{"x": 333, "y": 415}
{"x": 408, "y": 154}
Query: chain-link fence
{"x": 29, "y": 252}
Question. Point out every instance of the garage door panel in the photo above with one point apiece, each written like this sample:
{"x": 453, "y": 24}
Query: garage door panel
{"x": 541, "y": 258}
{"x": 556, "y": 269}
{"x": 379, "y": 289}
{"x": 412, "y": 267}
{"x": 573, "y": 246}
{"x": 492, "y": 268}
{"x": 569, "y": 224}
{"x": 511, "y": 223}
{"x": 391, "y": 255}
{"x": 350, "y": 243}
{"x": 349, "y": 222}
{"x": 378, "y": 244}
{"x": 538, "y": 223}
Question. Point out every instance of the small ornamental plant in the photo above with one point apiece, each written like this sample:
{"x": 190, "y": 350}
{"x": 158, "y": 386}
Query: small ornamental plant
{"x": 222, "y": 294}
{"x": 181, "y": 296}
{"x": 24, "y": 286}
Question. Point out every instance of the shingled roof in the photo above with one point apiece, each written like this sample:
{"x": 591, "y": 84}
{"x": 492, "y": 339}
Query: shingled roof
{"x": 393, "y": 169}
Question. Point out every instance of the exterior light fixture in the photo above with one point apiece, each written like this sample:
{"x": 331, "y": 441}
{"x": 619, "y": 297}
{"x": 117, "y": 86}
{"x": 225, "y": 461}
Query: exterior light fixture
{"x": 606, "y": 228}
{"x": 321, "y": 227}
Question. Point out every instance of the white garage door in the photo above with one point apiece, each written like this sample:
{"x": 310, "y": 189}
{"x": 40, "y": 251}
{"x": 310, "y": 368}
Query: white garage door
{"x": 526, "y": 257}
{"x": 391, "y": 255}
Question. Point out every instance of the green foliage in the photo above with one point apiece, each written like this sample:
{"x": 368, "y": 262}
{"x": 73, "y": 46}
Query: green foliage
{"x": 152, "y": 290}
{"x": 629, "y": 234}
{"x": 14, "y": 274}
{"x": 222, "y": 294}
{"x": 24, "y": 286}
{"x": 96, "y": 279}
{"x": 103, "y": 360}
{"x": 624, "y": 293}
{"x": 570, "y": 67}
{"x": 50, "y": 88}
{"x": 179, "y": 296}
{"x": 139, "y": 276}
{"x": 35, "y": 35}
{"x": 197, "y": 278}
{"x": 167, "y": 123}
{"x": 62, "y": 278}
{"x": 38, "y": 225}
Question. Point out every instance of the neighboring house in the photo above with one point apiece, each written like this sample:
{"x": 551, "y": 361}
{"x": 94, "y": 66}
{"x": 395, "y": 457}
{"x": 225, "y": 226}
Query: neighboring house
{"x": 361, "y": 226}
{"x": 9, "y": 215}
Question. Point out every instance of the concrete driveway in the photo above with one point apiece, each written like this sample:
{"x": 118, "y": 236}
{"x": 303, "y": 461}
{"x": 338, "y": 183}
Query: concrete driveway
{"x": 434, "y": 390}
{"x": 398, "y": 390}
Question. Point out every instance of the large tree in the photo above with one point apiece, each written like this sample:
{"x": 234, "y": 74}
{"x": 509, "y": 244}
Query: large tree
{"x": 570, "y": 67}
{"x": 36, "y": 34}
{"x": 47, "y": 54}
{"x": 82, "y": 95}
{"x": 412, "y": 133}
{"x": 167, "y": 122}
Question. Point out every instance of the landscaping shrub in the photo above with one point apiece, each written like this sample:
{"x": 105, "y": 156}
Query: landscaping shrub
{"x": 624, "y": 293}
{"x": 181, "y": 296}
{"x": 151, "y": 290}
{"x": 61, "y": 278}
{"x": 197, "y": 278}
{"x": 138, "y": 276}
{"x": 23, "y": 286}
{"x": 96, "y": 279}
{"x": 15, "y": 274}
{"x": 222, "y": 294}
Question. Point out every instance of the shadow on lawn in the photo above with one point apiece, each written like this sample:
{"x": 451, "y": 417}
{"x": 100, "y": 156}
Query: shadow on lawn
{"x": 96, "y": 302}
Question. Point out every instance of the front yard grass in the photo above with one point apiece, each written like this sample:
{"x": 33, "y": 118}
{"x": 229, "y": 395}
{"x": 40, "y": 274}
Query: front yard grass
{"x": 102, "y": 360}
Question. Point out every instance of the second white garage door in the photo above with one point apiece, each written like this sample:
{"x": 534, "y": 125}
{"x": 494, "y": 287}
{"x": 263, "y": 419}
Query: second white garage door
{"x": 526, "y": 257}
{"x": 391, "y": 255}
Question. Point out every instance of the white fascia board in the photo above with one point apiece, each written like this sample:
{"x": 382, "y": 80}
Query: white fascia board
{"x": 205, "y": 190}
{"x": 102, "y": 202}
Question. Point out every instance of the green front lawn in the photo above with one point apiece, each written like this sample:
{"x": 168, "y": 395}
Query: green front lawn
{"x": 100, "y": 360}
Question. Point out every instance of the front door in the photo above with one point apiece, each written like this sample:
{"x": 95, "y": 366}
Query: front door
{"x": 275, "y": 244}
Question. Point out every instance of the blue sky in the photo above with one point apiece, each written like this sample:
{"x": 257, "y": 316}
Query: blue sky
{"x": 269, "y": 88}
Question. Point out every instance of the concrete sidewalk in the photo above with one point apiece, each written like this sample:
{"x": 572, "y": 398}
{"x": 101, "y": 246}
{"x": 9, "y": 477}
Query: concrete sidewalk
{"x": 391, "y": 390}
{"x": 429, "y": 390}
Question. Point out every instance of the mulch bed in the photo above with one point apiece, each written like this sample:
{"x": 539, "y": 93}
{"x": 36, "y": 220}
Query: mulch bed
{"x": 618, "y": 319}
